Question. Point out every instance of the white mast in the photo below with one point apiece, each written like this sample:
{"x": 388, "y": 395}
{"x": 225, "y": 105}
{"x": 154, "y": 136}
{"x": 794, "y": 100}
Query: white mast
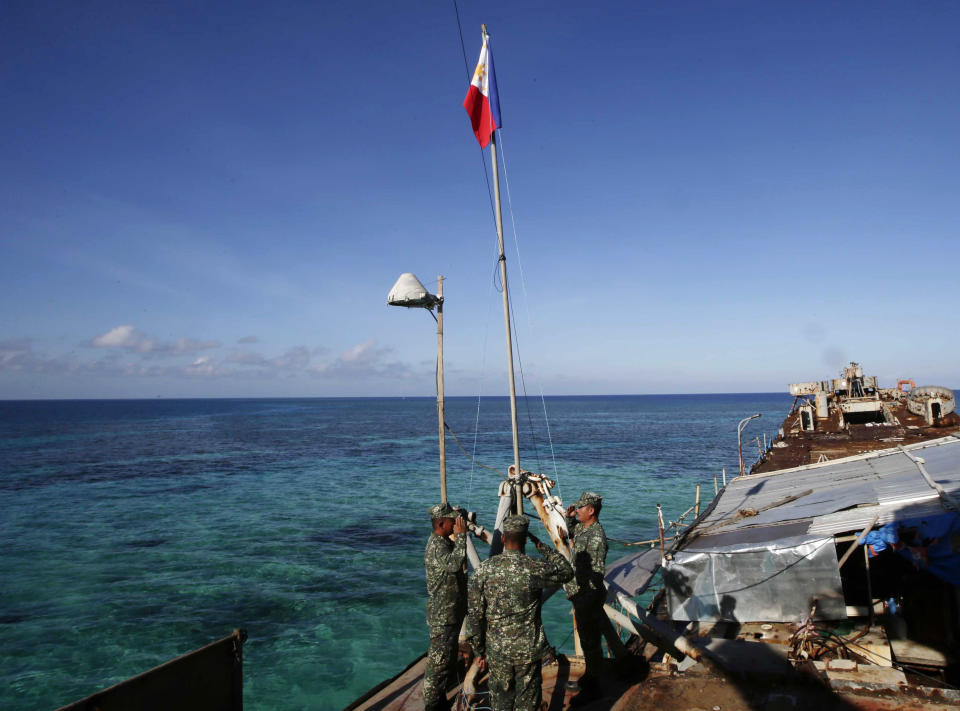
{"x": 506, "y": 310}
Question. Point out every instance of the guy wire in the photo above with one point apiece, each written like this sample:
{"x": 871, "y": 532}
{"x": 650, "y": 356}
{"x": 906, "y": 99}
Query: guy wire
{"x": 466, "y": 70}
{"x": 523, "y": 384}
{"x": 468, "y": 456}
{"x": 523, "y": 284}
{"x": 483, "y": 370}
{"x": 493, "y": 215}
{"x": 486, "y": 176}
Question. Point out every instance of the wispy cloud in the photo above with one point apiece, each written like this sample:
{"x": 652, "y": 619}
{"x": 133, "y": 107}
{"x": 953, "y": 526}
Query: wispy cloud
{"x": 295, "y": 359}
{"x": 130, "y": 339}
{"x": 129, "y": 352}
{"x": 364, "y": 360}
{"x": 359, "y": 361}
{"x": 16, "y": 355}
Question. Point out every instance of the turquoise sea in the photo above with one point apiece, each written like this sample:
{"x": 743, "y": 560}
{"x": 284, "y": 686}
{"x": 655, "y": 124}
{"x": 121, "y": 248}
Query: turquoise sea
{"x": 136, "y": 530}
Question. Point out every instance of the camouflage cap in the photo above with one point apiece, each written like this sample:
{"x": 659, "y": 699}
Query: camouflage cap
{"x": 516, "y": 524}
{"x": 443, "y": 510}
{"x": 588, "y": 498}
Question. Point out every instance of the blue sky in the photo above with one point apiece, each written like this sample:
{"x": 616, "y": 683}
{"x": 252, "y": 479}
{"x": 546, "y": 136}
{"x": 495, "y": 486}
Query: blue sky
{"x": 213, "y": 199}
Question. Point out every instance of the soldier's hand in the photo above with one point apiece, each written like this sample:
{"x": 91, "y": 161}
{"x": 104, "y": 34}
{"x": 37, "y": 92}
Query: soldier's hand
{"x": 571, "y": 511}
{"x": 460, "y": 525}
{"x": 481, "y": 663}
{"x": 533, "y": 539}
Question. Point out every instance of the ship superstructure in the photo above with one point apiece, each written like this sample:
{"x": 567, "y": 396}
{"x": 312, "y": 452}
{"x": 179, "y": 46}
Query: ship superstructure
{"x": 852, "y": 415}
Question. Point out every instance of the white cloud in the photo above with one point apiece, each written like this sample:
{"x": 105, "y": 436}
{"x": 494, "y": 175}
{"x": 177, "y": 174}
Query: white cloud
{"x": 129, "y": 338}
{"x": 245, "y": 357}
{"x": 185, "y": 345}
{"x": 129, "y": 353}
{"x": 357, "y": 352}
{"x": 16, "y": 355}
{"x": 295, "y": 359}
{"x": 360, "y": 361}
{"x": 119, "y": 337}
{"x": 364, "y": 360}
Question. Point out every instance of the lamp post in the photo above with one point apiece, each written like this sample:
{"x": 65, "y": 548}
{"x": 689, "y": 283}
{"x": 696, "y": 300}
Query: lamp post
{"x": 743, "y": 423}
{"x": 410, "y": 293}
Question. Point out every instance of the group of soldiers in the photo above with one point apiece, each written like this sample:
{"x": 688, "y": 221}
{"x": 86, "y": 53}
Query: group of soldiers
{"x": 502, "y": 605}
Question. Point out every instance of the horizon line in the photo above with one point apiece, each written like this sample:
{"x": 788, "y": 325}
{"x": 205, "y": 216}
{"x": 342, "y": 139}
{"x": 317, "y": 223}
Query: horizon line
{"x": 369, "y": 397}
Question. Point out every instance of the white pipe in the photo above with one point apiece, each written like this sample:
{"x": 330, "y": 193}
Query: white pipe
{"x": 503, "y": 510}
{"x": 663, "y": 633}
{"x": 472, "y": 553}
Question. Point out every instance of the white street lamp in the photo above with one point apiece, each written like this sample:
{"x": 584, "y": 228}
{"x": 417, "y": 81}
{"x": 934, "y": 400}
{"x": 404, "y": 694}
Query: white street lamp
{"x": 411, "y": 293}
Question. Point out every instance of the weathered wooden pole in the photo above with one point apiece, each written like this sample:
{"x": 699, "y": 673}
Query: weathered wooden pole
{"x": 440, "y": 409}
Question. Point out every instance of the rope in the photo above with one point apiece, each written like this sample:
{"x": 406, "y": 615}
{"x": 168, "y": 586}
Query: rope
{"x": 903, "y": 667}
{"x": 493, "y": 216}
{"x": 467, "y": 454}
{"x": 523, "y": 285}
{"x": 463, "y": 48}
{"x": 466, "y": 71}
{"x": 496, "y": 276}
{"x": 467, "y": 705}
{"x": 476, "y": 419}
{"x": 523, "y": 387}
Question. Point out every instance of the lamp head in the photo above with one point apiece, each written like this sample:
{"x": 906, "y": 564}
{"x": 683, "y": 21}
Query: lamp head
{"x": 409, "y": 292}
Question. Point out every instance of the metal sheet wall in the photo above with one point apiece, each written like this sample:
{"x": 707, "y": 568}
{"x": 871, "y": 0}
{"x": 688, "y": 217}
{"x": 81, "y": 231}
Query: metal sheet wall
{"x": 761, "y": 585}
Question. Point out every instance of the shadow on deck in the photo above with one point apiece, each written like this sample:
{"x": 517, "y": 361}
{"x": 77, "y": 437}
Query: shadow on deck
{"x": 739, "y": 676}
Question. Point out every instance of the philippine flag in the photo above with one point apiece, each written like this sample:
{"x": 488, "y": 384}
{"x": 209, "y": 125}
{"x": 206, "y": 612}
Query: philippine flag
{"x": 482, "y": 102}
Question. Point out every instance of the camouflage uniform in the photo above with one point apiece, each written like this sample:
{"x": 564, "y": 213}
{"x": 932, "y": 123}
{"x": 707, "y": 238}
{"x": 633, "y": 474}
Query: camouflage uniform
{"x": 446, "y": 607}
{"x": 505, "y": 626}
{"x": 588, "y": 546}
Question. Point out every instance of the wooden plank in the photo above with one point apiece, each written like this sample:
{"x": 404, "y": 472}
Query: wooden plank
{"x": 874, "y": 647}
{"x": 909, "y": 652}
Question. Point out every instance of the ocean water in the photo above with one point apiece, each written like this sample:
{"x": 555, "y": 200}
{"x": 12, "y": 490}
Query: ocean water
{"x": 134, "y": 531}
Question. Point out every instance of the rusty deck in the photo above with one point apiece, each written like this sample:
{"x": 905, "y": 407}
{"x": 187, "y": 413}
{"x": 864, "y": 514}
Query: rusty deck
{"x": 796, "y": 447}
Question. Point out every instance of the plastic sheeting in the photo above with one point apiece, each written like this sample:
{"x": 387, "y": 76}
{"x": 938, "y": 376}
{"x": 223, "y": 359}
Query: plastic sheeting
{"x": 765, "y": 584}
{"x": 631, "y": 575}
{"x": 931, "y": 543}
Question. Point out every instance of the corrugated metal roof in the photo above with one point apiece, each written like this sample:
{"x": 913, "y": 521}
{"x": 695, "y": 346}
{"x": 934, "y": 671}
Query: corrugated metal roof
{"x": 843, "y": 495}
{"x": 859, "y": 519}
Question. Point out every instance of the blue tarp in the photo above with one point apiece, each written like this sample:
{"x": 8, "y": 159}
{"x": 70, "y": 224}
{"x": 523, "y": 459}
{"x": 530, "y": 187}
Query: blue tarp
{"x": 931, "y": 543}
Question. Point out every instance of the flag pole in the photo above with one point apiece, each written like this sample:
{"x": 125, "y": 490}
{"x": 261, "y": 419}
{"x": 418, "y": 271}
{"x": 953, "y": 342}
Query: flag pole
{"x": 506, "y": 312}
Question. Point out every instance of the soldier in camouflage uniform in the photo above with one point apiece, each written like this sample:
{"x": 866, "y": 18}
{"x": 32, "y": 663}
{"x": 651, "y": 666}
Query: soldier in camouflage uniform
{"x": 504, "y": 616}
{"x": 588, "y": 547}
{"x": 445, "y": 563}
